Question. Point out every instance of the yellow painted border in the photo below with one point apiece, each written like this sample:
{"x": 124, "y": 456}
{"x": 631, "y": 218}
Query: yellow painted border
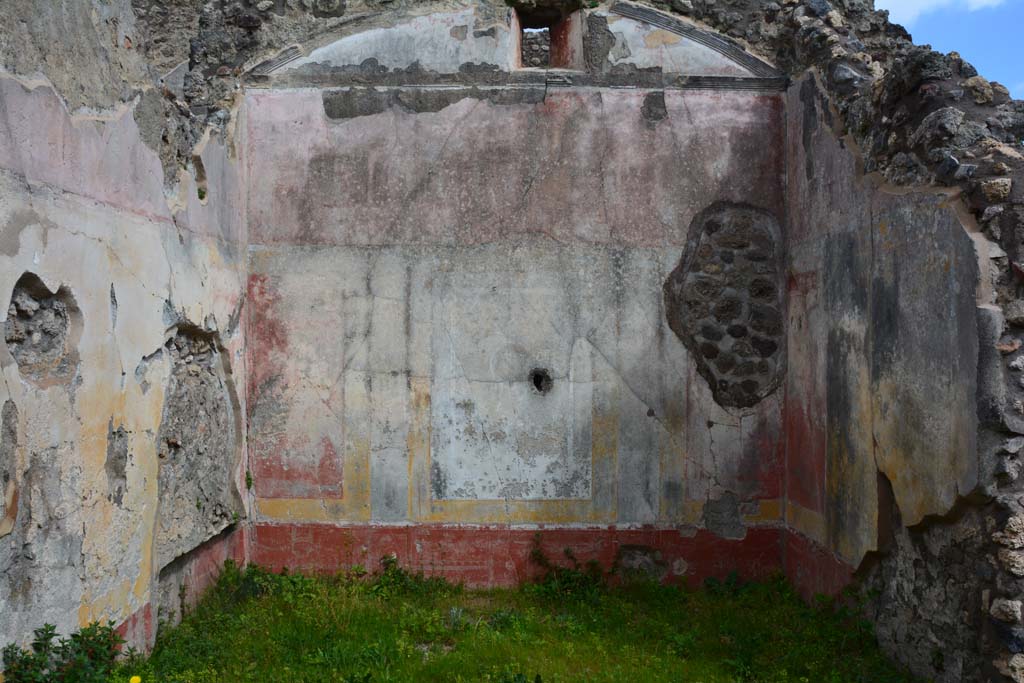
{"x": 601, "y": 508}
{"x": 595, "y": 510}
{"x": 808, "y": 522}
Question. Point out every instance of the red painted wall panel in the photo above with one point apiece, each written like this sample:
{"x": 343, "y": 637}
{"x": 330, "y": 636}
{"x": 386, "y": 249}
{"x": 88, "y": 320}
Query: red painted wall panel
{"x": 500, "y": 556}
{"x": 814, "y": 570}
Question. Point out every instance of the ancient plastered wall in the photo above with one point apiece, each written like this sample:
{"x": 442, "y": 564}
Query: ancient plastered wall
{"x": 644, "y": 46}
{"x": 881, "y": 397}
{"x": 83, "y": 207}
{"x": 408, "y": 271}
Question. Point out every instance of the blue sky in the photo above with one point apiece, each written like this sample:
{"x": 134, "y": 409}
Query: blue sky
{"x": 987, "y": 33}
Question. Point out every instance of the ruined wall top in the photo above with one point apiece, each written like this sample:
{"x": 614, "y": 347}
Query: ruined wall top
{"x": 917, "y": 116}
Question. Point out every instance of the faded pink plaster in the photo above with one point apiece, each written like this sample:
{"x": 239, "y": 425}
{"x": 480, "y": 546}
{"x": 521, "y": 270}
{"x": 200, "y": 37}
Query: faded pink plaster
{"x": 584, "y": 166}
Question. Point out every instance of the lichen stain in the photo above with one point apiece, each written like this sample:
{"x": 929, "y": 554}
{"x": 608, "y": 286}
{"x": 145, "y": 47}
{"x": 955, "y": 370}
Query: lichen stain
{"x": 851, "y": 479}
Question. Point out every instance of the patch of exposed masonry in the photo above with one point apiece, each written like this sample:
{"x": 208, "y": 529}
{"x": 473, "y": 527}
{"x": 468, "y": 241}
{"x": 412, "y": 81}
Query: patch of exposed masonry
{"x": 41, "y": 331}
{"x": 654, "y": 109}
{"x": 598, "y": 44}
{"x": 641, "y": 562}
{"x": 724, "y": 301}
{"x": 722, "y": 516}
{"x": 356, "y": 102}
{"x": 116, "y": 464}
{"x": 536, "y": 48}
{"x": 197, "y": 447}
{"x": 8, "y": 466}
{"x": 41, "y": 560}
{"x": 927, "y": 587}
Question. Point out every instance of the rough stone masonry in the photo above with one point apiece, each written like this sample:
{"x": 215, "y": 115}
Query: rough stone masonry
{"x": 689, "y": 287}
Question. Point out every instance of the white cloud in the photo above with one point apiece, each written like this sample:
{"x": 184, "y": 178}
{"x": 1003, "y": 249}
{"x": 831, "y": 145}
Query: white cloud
{"x": 906, "y": 12}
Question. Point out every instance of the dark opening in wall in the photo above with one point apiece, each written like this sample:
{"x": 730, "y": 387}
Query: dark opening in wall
{"x": 550, "y": 36}
{"x": 541, "y": 380}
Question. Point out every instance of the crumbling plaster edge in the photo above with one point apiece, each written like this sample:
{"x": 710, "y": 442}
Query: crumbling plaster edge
{"x": 953, "y": 200}
{"x": 176, "y": 197}
{"x": 143, "y": 587}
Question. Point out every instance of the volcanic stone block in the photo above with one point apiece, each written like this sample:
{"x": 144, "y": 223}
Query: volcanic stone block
{"x": 725, "y": 299}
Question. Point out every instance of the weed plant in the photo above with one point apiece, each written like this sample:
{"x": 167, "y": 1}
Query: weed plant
{"x": 87, "y": 656}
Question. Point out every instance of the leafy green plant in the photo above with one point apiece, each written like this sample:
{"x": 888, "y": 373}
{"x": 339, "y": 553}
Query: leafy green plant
{"x": 730, "y": 586}
{"x": 394, "y": 581}
{"x": 519, "y": 678}
{"x": 505, "y": 619}
{"x": 86, "y": 656}
{"x": 357, "y": 678}
{"x": 576, "y": 582}
{"x": 682, "y": 643}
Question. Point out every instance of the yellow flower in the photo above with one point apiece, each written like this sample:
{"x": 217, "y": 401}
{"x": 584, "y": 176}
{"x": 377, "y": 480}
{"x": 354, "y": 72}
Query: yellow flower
{"x": 135, "y": 679}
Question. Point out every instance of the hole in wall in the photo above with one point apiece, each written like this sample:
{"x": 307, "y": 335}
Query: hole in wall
{"x": 199, "y": 171}
{"x": 550, "y": 36}
{"x": 42, "y": 331}
{"x": 536, "y": 47}
{"x": 541, "y": 380}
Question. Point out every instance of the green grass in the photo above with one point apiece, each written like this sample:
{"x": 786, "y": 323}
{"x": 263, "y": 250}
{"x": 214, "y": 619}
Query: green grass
{"x": 570, "y": 626}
